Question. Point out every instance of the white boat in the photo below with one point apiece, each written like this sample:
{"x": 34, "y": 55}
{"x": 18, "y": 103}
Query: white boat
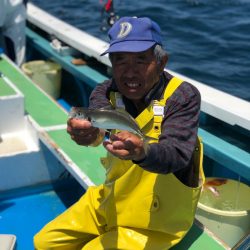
{"x": 42, "y": 171}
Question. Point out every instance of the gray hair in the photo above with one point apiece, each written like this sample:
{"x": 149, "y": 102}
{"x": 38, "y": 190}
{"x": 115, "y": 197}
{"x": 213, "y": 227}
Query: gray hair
{"x": 159, "y": 53}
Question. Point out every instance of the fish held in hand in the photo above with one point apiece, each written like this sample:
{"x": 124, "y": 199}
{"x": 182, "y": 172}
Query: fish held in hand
{"x": 107, "y": 119}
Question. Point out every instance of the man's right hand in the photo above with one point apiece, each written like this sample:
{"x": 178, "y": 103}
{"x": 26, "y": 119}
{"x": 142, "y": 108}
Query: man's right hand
{"x": 82, "y": 132}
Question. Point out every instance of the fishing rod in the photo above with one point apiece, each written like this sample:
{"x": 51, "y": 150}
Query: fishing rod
{"x": 109, "y": 16}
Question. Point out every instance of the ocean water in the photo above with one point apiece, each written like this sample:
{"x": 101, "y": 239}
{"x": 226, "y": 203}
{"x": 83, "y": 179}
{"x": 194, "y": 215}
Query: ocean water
{"x": 206, "y": 40}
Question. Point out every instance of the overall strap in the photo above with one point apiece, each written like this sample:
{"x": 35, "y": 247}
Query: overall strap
{"x": 173, "y": 84}
{"x": 156, "y": 109}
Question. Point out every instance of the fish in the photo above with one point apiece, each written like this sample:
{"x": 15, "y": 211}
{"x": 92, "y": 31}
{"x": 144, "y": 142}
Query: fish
{"x": 216, "y": 182}
{"x": 106, "y": 118}
{"x": 212, "y": 184}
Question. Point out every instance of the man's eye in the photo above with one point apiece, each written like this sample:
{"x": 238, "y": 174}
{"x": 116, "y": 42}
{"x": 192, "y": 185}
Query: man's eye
{"x": 120, "y": 61}
{"x": 140, "y": 61}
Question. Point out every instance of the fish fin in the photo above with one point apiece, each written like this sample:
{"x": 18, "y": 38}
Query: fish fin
{"x": 121, "y": 111}
{"x": 108, "y": 107}
{"x": 214, "y": 191}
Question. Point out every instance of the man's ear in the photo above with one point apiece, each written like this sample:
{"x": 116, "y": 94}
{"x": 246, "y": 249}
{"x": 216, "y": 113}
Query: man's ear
{"x": 163, "y": 62}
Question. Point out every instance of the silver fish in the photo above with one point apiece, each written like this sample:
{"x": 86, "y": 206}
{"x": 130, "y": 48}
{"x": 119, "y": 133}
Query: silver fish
{"x": 107, "y": 119}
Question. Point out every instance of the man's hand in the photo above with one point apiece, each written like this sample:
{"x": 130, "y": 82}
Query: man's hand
{"x": 126, "y": 146}
{"x": 82, "y": 132}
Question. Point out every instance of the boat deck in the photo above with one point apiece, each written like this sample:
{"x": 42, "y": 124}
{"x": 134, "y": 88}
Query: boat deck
{"x": 39, "y": 205}
{"x": 43, "y": 203}
{"x": 50, "y": 119}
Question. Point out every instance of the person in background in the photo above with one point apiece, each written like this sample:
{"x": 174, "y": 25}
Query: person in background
{"x": 12, "y": 29}
{"x": 150, "y": 194}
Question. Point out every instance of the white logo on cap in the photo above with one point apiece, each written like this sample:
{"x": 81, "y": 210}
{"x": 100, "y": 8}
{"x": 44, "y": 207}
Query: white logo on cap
{"x": 125, "y": 29}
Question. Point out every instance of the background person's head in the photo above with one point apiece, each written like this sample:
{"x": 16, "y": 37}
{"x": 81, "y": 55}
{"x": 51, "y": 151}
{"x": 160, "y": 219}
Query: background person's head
{"x": 137, "y": 56}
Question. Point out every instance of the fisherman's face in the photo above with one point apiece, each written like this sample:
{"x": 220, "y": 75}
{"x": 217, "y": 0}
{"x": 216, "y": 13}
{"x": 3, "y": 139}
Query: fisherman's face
{"x": 135, "y": 73}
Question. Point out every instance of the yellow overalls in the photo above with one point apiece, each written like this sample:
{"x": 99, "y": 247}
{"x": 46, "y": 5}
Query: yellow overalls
{"x": 134, "y": 209}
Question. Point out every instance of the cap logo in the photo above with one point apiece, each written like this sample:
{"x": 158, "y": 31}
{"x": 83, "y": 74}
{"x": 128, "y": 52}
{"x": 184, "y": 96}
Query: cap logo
{"x": 125, "y": 29}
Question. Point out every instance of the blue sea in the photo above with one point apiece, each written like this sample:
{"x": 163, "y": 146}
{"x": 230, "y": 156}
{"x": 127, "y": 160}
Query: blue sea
{"x": 207, "y": 40}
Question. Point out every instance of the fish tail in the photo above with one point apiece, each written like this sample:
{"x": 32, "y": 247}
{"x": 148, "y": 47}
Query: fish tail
{"x": 214, "y": 191}
{"x": 149, "y": 139}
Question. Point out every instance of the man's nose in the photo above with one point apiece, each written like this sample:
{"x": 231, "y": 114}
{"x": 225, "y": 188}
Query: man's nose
{"x": 131, "y": 69}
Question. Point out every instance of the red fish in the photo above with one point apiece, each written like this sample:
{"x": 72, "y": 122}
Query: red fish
{"x": 212, "y": 184}
{"x": 216, "y": 182}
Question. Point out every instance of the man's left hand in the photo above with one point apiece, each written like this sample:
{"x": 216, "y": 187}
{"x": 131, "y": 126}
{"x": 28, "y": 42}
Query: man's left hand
{"x": 126, "y": 146}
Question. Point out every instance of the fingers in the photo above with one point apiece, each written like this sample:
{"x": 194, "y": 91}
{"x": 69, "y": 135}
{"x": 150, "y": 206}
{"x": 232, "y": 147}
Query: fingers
{"x": 117, "y": 149}
{"x": 122, "y": 136}
{"x": 77, "y": 125}
{"x": 81, "y": 131}
{"x": 84, "y": 140}
{"x": 126, "y": 146}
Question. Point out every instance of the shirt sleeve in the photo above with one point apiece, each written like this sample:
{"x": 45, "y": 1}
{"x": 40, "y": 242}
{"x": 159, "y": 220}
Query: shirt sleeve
{"x": 99, "y": 96}
{"x": 177, "y": 141}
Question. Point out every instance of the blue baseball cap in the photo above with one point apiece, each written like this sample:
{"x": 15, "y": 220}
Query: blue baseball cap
{"x": 132, "y": 34}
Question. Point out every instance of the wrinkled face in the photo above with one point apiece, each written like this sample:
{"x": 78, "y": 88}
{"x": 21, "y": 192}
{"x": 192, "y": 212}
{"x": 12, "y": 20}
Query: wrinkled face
{"x": 135, "y": 73}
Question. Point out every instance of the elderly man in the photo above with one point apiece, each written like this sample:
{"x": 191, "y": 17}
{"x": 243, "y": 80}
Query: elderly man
{"x": 150, "y": 194}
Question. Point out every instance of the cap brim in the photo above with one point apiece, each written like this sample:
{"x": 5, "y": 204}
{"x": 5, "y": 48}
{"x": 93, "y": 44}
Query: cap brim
{"x": 129, "y": 46}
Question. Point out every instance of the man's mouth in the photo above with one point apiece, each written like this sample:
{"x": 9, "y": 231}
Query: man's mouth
{"x": 133, "y": 85}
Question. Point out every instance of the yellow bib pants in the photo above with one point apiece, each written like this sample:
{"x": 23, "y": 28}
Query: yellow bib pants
{"x": 134, "y": 209}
